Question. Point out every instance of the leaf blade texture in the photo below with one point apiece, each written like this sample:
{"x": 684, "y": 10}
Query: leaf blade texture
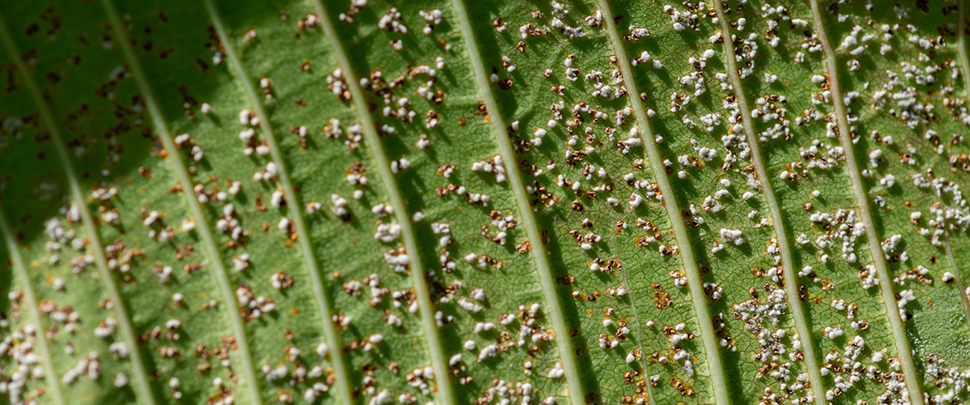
{"x": 557, "y": 202}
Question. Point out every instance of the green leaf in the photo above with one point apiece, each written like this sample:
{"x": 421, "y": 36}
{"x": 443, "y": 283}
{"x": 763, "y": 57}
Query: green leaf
{"x": 450, "y": 202}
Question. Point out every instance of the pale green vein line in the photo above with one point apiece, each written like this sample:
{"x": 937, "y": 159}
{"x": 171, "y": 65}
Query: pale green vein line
{"x": 95, "y": 248}
{"x": 636, "y": 316}
{"x": 303, "y": 235}
{"x": 958, "y": 278}
{"x": 215, "y": 259}
{"x": 781, "y": 235}
{"x": 962, "y": 45}
{"x": 858, "y": 188}
{"x": 43, "y": 346}
{"x": 417, "y": 272}
{"x": 554, "y": 306}
{"x": 964, "y": 300}
{"x": 694, "y": 280}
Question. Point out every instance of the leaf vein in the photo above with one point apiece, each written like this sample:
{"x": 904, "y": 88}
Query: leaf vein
{"x": 554, "y": 306}
{"x": 95, "y": 248}
{"x": 781, "y": 234}
{"x": 43, "y": 345}
{"x": 694, "y": 280}
{"x": 858, "y": 189}
{"x": 636, "y": 316}
{"x": 962, "y": 46}
{"x": 417, "y": 272}
{"x": 309, "y": 259}
{"x": 204, "y": 230}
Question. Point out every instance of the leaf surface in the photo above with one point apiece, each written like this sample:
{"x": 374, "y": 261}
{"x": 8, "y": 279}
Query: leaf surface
{"x": 484, "y": 202}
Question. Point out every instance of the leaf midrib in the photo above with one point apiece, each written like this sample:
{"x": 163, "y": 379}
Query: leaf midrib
{"x": 781, "y": 234}
{"x": 858, "y": 189}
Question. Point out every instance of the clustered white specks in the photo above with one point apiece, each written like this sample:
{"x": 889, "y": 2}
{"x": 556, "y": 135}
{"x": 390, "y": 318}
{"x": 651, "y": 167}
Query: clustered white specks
{"x": 582, "y": 162}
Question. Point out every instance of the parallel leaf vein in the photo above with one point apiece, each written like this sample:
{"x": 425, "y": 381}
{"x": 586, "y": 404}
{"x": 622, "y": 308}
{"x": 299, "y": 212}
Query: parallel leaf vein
{"x": 636, "y": 315}
{"x": 781, "y": 234}
{"x": 553, "y": 304}
{"x": 303, "y": 235}
{"x": 858, "y": 189}
{"x": 247, "y": 369}
{"x": 962, "y": 46}
{"x": 425, "y": 307}
{"x": 964, "y": 300}
{"x": 694, "y": 280}
{"x": 95, "y": 248}
{"x": 957, "y": 273}
{"x": 33, "y": 309}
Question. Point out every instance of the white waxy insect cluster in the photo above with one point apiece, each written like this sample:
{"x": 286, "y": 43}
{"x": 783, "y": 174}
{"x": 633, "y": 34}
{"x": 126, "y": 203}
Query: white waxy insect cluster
{"x": 734, "y": 236}
{"x": 569, "y": 161}
{"x": 387, "y": 232}
{"x": 494, "y": 165}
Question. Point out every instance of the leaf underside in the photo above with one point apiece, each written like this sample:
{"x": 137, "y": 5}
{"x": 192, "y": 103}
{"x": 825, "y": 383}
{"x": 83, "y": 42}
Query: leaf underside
{"x": 484, "y": 202}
